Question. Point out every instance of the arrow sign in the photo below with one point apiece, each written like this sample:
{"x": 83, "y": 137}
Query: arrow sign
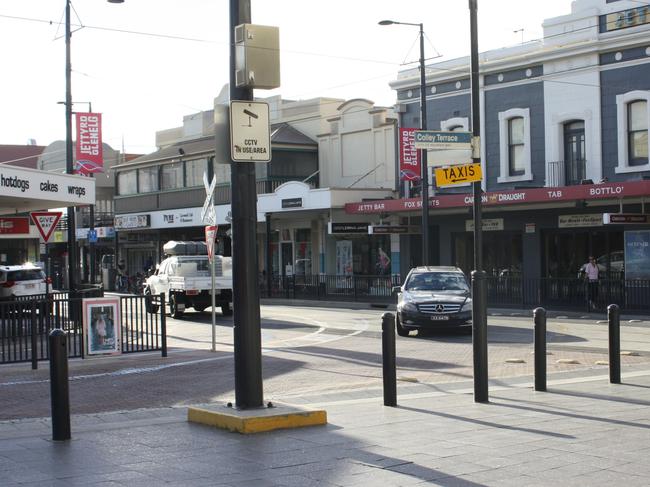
{"x": 45, "y": 222}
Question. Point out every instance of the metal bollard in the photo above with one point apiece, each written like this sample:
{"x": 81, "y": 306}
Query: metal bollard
{"x": 614, "y": 318}
{"x": 163, "y": 326}
{"x": 59, "y": 385}
{"x": 34, "y": 335}
{"x": 388, "y": 359}
{"x": 539, "y": 316}
{"x": 479, "y": 336}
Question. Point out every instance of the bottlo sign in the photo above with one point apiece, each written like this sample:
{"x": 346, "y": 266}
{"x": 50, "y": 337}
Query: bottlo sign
{"x": 468, "y": 173}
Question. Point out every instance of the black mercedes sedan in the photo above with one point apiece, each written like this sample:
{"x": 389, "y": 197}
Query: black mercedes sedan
{"x": 434, "y": 298}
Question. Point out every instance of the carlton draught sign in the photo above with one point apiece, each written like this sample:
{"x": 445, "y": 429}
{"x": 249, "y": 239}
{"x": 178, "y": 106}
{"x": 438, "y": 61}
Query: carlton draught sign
{"x": 89, "y": 156}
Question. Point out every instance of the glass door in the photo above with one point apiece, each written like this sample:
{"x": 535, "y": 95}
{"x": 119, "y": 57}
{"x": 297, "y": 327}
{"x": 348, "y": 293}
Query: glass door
{"x": 287, "y": 259}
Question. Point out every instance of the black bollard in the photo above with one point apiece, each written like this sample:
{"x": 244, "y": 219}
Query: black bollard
{"x": 163, "y": 326}
{"x": 479, "y": 336}
{"x": 539, "y": 316}
{"x": 388, "y": 359}
{"x": 614, "y": 318}
{"x": 59, "y": 385}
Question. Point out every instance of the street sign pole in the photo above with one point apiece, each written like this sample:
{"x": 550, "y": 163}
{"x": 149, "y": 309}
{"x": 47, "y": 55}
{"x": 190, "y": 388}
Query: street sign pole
{"x": 246, "y": 297}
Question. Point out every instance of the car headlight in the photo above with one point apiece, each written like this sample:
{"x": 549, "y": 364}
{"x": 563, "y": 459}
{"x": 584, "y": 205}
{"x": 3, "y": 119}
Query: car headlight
{"x": 407, "y": 303}
{"x": 467, "y": 306}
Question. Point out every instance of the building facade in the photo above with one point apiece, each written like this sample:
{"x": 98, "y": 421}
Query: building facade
{"x": 564, "y": 140}
{"x": 325, "y": 153}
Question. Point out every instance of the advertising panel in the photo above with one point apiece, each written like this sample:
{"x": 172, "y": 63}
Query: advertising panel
{"x": 409, "y": 156}
{"x": 101, "y": 320}
{"x": 637, "y": 254}
{"x": 89, "y": 156}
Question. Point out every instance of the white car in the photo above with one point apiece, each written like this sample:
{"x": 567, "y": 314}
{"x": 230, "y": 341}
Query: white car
{"x": 21, "y": 280}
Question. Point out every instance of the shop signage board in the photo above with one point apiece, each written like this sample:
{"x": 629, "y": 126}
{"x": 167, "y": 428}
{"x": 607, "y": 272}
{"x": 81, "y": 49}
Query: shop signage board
{"x": 131, "y": 222}
{"x": 625, "y": 218}
{"x": 579, "y": 221}
{"x": 467, "y": 173}
{"x": 343, "y": 228}
{"x": 488, "y": 225}
{"x": 14, "y": 225}
{"x": 586, "y": 192}
{"x": 45, "y": 222}
{"x": 292, "y": 203}
{"x": 388, "y": 229}
{"x": 250, "y": 131}
{"x": 29, "y": 184}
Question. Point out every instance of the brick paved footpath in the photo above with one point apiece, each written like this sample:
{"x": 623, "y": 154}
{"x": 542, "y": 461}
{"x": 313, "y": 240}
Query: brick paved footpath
{"x": 583, "y": 432}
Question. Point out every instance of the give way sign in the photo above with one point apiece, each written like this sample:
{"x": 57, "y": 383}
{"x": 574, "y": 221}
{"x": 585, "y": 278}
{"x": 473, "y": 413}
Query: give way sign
{"x": 46, "y": 222}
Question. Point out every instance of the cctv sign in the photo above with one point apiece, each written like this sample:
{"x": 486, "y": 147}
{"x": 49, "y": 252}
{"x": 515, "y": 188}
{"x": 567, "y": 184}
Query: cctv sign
{"x": 250, "y": 131}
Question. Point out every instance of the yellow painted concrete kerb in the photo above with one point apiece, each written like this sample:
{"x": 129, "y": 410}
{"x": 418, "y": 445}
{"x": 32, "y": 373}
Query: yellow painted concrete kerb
{"x": 280, "y": 416}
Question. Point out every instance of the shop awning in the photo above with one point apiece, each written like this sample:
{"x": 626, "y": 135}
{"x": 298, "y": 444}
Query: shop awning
{"x": 585, "y": 192}
{"x": 24, "y": 190}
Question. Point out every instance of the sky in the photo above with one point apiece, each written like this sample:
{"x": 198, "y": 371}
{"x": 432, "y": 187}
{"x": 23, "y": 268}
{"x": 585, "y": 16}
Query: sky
{"x": 144, "y": 64}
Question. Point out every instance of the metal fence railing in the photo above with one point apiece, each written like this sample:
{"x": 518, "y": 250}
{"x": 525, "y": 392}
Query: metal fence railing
{"x": 513, "y": 292}
{"x": 26, "y": 324}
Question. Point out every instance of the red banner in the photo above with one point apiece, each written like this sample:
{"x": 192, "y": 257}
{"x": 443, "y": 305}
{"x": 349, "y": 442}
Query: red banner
{"x": 409, "y": 156}
{"x": 15, "y": 225}
{"x": 607, "y": 191}
{"x": 89, "y": 155}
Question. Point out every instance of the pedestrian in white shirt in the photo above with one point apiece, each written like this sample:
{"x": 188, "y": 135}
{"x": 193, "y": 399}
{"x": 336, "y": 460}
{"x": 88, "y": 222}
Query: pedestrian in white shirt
{"x": 591, "y": 274}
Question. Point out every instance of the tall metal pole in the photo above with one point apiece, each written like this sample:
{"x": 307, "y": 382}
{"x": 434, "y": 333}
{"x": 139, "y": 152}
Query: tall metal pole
{"x": 69, "y": 163}
{"x": 424, "y": 176}
{"x": 479, "y": 311}
{"x": 246, "y": 297}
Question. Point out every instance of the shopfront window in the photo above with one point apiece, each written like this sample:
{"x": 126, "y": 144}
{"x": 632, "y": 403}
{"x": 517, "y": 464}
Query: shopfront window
{"x": 172, "y": 176}
{"x": 502, "y": 253}
{"x": 566, "y": 253}
{"x": 148, "y": 179}
{"x": 363, "y": 255}
{"x": 194, "y": 170}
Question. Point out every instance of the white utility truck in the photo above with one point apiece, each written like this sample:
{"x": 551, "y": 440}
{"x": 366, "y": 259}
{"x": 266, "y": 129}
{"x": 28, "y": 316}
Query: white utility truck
{"x": 184, "y": 277}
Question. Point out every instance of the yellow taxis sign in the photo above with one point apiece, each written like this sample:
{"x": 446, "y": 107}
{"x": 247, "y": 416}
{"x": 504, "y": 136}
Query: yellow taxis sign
{"x": 467, "y": 173}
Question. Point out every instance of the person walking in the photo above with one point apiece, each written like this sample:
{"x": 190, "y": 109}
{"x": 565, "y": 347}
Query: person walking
{"x": 591, "y": 275}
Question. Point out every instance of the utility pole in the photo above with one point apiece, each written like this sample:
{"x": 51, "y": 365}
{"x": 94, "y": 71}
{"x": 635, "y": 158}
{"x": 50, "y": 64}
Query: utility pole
{"x": 246, "y": 297}
{"x": 69, "y": 162}
{"x": 479, "y": 292}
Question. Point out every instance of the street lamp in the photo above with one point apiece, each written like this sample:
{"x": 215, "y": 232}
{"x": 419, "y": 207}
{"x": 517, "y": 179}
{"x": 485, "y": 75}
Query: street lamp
{"x": 423, "y": 159}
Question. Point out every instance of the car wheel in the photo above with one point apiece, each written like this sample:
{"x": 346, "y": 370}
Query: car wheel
{"x": 199, "y": 309}
{"x": 225, "y": 309}
{"x": 173, "y": 307}
{"x": 401, "y": 330}
{"x": 148, "y": 302}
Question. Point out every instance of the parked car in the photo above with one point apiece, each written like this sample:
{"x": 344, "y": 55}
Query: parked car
{"x": 434, "y": 298}
{"x": 21, "y": 280}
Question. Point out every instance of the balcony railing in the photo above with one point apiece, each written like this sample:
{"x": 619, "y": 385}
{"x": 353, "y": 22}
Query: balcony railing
{"x": 223, "y": 194}
{"x": 566, "y": 173}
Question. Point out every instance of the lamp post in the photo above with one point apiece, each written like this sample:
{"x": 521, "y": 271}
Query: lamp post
{"x": 479, "y": 290}
{"x": 424, "y": 178}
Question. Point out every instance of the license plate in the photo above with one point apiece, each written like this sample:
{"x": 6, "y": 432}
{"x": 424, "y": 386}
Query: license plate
{"x": 439, "y": 317}
{"x": 30, "y": 286}
{"x": 192, "y": 292}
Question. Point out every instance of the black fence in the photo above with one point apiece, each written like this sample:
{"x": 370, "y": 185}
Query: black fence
{"x": 568, "y": 294}
{"x": 512, "y": 292}
{"x": 340, "y": 288}
{"x": 26, "y": 324}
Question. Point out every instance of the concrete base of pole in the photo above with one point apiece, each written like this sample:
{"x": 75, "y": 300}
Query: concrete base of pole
{"x": 256, "y": 420}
